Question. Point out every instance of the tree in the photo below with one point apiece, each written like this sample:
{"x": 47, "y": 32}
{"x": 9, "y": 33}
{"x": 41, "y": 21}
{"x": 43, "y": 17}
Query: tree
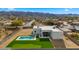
{"x": 18, "y": 22}
{"x": 48, "y": 22}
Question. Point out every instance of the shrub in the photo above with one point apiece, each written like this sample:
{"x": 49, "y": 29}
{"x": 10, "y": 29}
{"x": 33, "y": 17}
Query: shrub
{"x": 18, "y": 22}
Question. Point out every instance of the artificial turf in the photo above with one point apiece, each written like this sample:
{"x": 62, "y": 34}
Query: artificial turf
{"x": 38, "y": 43}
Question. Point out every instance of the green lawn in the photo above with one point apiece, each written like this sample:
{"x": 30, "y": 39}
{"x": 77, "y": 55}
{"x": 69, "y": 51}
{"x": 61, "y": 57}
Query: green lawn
{"x": 38, "y": 43}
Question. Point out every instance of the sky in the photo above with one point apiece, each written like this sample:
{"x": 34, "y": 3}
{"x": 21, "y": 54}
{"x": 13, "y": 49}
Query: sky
{"x": 45, "y": 10}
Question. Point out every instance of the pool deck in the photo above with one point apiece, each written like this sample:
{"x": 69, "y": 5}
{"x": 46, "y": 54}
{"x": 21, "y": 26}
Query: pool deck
{"x": 25, "y": 38}
{"x": 22, "y": 32}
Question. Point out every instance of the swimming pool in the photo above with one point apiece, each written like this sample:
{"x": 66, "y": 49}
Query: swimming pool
{"x": 25, "y": 38}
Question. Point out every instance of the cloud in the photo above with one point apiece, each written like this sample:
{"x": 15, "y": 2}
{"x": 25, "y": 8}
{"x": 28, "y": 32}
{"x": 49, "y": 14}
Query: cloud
{"x": 66, "y": 9}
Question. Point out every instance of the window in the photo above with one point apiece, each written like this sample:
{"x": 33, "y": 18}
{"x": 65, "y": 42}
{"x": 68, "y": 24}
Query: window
{"x": 35, "y": 31}
{"x": 46, "y": 34}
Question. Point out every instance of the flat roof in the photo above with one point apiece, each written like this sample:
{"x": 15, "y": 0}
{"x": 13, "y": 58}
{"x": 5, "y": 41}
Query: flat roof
{"x": 57, "y": 30}
{"x": 76, "y": 27}
{"x": 47, "y": 28}
{"x": 76, "y": 23}
{"x": 44, "y": 27}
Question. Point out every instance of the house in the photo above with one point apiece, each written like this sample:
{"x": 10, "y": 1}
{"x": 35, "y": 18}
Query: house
{"x": 65, "y": 30}
{"x": 66, "y": 27}
{"x": 75, "y": 26}
{"x": 47, "y": 32}
{"x": 6, "y": 22}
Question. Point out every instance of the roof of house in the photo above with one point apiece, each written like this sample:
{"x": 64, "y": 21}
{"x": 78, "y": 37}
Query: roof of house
{"x": 65, "y": 29}
{"x": 53, "y": 28}
{"x": 76, "y": 27}
{"x": 75, "y": 23}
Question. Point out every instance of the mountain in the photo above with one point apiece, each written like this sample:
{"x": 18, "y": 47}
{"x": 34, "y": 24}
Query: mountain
{"x": 31, "y": 15}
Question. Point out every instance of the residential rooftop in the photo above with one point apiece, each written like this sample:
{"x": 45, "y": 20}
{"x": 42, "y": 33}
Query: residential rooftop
{"x": 53, "y": 28}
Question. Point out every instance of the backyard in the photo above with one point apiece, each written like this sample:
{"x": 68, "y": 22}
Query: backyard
{"x": 38, "y": 43}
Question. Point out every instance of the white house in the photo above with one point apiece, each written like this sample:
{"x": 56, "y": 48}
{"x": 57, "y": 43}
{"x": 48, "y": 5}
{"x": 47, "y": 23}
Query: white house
{"x": 66, "y": 27}
{"x": 47, "y": 32}
{"x": 75, "y": 26}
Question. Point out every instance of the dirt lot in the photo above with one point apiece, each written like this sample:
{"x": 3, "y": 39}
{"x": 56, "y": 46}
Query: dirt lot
{"x": 69, "y": 43}
{"x": 4, "y": 34}
{"x": 24, "y": 32}
{"x": 21, "y": 32}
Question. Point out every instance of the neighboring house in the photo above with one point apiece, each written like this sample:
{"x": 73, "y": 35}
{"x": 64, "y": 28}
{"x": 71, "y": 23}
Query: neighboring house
{"x": 67, "y": 25}
{"x": 6, "y": 22}
{"x": 65, "y": 29}
{"x": 75, "y": 26}
{"x": 48, "y": 32}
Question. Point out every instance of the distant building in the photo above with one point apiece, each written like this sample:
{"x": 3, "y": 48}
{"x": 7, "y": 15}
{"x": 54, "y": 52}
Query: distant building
{"x": 66, "y": 27}
{"x": 75, "y": 26}
{"x": 6, "y": 22}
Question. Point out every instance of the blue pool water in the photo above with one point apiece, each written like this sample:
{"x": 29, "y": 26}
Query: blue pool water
{"x": 25, "y": 38}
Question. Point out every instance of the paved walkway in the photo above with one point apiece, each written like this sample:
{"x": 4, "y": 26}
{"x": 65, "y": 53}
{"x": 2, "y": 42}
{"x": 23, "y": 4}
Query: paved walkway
{"x": 58, "y": 43}
{"x": 69, "y": 43}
